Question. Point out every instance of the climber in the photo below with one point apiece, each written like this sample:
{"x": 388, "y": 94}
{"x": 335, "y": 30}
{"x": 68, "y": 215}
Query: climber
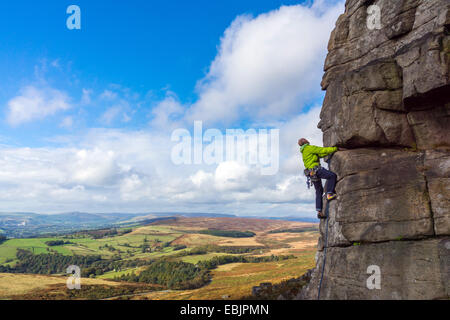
{"x": 315, "y": 172}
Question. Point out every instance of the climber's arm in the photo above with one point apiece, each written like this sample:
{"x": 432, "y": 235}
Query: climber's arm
{"x": 327, "y": 151}
{"x": 323, "y": 152}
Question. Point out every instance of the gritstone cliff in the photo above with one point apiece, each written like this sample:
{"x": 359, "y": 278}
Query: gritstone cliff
{"x": 388, "y": 101}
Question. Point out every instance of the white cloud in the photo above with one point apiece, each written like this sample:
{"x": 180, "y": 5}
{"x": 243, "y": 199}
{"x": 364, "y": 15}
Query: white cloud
{"x": 86, "y": 97}
{"x": 303, "y": 125}
{"x": 167, "y": 113}
{"x": 67, "y": 122}
{"x": 36, "y": 103}
{"x": 109, "y": 169}
{"x": 202, "y": 178}
{"x": 119, "y": 104}
{"x": 118, "y": 110}
{"x": 232, "y": 176}
{"x": 110, "y": 115}
{"x": 267, "y": 66}
{"x": 108, "y": 95}
{"x": 94, "y": 167}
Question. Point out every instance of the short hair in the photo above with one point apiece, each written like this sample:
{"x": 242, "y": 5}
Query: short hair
{"x": 302, "y": 141}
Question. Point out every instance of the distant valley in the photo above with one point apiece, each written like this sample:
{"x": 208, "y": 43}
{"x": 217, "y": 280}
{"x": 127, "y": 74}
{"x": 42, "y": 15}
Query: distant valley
{"x": 152, "y": 256}
{"x": 27, "y": 224}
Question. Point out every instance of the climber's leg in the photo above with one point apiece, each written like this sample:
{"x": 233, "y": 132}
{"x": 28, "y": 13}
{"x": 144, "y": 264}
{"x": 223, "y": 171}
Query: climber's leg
{"x": 331, "y": 178}
{"x": 319, "y": 193}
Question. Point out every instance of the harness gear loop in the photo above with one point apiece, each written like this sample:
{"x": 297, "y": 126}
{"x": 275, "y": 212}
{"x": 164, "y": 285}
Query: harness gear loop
{"x": 311, "y": 175}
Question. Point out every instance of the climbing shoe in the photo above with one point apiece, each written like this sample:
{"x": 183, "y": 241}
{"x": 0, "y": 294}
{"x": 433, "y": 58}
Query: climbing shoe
{"x": 331, "y": 196}
{"x": 320, "y": 215}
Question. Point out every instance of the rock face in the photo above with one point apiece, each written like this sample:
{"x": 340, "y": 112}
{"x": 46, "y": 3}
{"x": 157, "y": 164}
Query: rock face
{"x": 388, "y": 102}
{"x": 286, "y": 290}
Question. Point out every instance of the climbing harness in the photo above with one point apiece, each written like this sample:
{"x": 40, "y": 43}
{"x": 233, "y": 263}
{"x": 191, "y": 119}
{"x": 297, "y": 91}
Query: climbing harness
{"x": 327, "y": 214}
{"x": 311, "y": 175}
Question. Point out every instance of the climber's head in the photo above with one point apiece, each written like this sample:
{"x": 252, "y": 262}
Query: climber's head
{"x": 302, "y": 141}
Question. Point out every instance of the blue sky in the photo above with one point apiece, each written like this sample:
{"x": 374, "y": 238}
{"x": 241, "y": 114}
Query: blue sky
{"x": 137, "y": 70}
{"x": 143, "y": 45}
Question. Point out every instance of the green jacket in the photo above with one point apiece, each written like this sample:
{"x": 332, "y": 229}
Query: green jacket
{"x": 312, "y": 154}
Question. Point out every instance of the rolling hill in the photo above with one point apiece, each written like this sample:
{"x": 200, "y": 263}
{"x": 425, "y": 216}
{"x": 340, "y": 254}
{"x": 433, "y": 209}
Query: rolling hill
{"x": 244, "y": 253}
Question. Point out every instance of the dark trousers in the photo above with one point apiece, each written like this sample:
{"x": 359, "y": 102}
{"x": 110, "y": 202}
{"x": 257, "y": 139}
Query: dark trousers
{"x": 331, "y": 185}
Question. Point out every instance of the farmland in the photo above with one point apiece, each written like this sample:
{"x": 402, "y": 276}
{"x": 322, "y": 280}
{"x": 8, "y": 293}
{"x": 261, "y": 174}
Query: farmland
{"x": 235, "y": 280}
{"x": 244, "y": 253}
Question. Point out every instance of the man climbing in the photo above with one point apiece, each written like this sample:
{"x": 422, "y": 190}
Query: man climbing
{"x": 315, "y": 172}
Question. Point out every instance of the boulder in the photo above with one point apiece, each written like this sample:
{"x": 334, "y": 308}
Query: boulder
{"x": 382, "y": 195}
{"x": 408, "y": 270}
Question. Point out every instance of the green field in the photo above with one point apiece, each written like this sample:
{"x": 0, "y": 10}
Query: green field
{"x": 235, "y": 280}
{"x": 136, "y": 249}
{"x": 37, "y": 245}
{"x": 202, "y": 257}
{"x": 112, "y": 274}
{"x": 90, "y": 246}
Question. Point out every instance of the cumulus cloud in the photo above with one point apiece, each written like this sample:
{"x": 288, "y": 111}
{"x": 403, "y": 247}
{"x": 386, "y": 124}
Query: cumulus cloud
{"x": 267, "y": 66}
{"x": 232, "y": 176}
{"x": 36, "y": 103}
{"x": 267, "y": 69}
{"x": 110, "y": 169}
{"x": 167, "y": 113}
{"x": 94, "y": 167}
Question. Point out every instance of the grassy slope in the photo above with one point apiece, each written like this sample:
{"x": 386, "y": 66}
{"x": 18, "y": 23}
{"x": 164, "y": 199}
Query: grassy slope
{"x": 202, "y": 257}
{"x": 16, "y": 284}
{"x": 9, "y": 248}
{"x": 112, "y": 274}
{"x": 87, "y": 245}
{"x": 234, "y": 280}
